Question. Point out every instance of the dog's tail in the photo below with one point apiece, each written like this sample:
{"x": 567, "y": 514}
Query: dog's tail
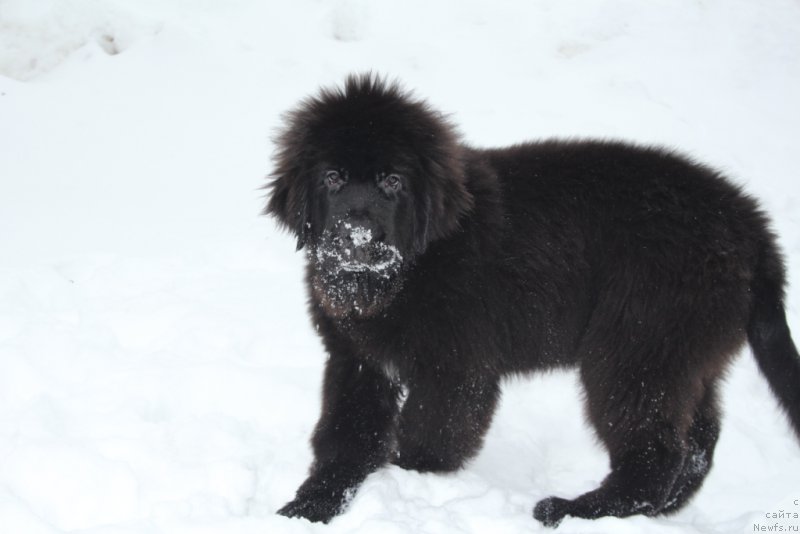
{"x": 769, "y": 335}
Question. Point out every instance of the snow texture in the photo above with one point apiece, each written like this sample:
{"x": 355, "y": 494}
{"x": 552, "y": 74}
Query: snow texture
{"x": 360, "y": 236}
{"x": 158, "y": 373}
{"x": 364, "y": 255}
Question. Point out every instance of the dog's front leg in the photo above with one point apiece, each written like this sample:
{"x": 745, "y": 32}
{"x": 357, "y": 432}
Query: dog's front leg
{"x": 351, "y": 439}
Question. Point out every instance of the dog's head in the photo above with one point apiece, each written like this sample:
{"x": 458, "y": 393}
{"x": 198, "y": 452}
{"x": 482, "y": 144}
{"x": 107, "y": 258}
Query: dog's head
{"x": 366, "y": 177}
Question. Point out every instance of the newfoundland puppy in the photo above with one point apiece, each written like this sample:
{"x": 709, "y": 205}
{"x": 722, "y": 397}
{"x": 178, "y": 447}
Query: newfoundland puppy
{"x": 435, "y": 269}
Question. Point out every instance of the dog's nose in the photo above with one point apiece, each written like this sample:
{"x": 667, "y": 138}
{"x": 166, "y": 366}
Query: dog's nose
{"x": 358, "y": 233}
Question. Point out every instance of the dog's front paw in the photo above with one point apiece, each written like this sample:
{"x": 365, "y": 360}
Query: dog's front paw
{"x": 551, "y": 511}
{"x": 320, "y": 498}
{"x": 315, "y": 508}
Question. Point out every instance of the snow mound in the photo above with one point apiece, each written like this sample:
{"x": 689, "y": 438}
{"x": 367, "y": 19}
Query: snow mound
{"x": 36, "y": 37}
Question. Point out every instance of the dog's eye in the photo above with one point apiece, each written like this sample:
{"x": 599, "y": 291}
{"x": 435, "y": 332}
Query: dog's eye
{"x": 392, "y": 182}
{"x": 333, "y": 179}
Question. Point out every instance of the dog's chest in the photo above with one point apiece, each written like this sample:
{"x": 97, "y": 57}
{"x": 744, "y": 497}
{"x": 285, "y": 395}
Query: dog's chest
{"x": 387, "y": 344}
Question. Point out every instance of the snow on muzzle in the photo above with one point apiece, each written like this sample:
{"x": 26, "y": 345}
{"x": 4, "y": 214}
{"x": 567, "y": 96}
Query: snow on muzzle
{"x": 353, "y": 248}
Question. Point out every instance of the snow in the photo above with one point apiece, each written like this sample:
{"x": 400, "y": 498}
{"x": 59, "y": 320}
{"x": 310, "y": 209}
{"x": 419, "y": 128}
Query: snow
{"x": 360, "y": 236}
{"x": 390, "y": 262}
{"x": 332, "y": 257}
{"x": 158, "y": 373}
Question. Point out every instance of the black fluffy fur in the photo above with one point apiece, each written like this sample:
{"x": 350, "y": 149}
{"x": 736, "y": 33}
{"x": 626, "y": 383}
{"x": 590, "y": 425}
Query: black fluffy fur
{"x": 645, "y": 271}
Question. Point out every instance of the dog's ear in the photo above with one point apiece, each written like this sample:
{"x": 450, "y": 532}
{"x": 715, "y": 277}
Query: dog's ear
{"x": 421, "y": 223}
{"x": 448, "y": 199}
{"x": 288, "y": 202}
{"x": 445, "y": 199}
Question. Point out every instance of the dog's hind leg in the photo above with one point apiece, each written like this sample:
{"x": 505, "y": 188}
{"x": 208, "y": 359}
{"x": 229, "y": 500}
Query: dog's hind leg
{"x": 644, "y": 468}
{"x": 701, "y": 441}
{"x": 642, "y": 391}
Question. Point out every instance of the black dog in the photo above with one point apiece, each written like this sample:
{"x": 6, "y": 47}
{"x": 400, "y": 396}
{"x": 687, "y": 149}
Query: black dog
{"x": 434, "y": 269}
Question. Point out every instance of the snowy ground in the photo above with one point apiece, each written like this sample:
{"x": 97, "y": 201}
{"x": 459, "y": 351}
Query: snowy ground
{"x": 157, "y": 372}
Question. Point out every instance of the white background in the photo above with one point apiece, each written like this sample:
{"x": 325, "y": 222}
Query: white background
{"x": 157, "y": 370}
